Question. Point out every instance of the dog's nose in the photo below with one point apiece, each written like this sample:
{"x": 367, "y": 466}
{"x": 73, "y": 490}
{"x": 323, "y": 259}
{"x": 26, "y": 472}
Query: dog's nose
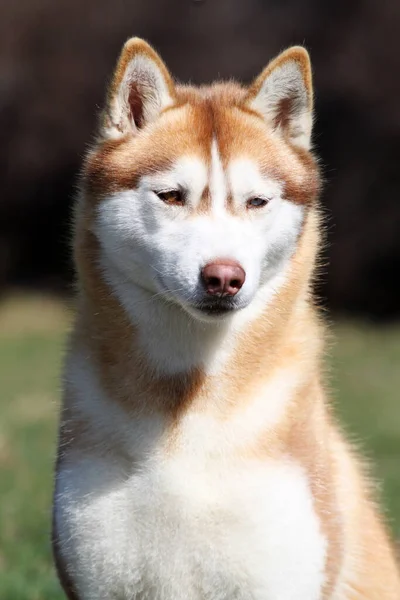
{"x": 223, "y": 277}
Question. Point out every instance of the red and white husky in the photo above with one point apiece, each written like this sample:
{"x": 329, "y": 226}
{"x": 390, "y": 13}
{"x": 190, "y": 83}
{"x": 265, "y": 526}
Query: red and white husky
{"x": 198, "y": 457}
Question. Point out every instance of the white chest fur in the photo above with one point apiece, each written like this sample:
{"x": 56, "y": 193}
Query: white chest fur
{"x": 176, "y": 530}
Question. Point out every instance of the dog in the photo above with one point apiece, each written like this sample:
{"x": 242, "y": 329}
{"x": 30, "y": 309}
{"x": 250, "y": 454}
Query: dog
{"x": 198, "y": 457}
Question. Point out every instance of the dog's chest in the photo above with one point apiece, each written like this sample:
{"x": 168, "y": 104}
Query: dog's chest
{"x": 183, "y": 529}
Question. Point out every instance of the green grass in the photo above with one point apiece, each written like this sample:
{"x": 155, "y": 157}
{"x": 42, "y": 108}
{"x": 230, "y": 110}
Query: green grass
{"x": 31, "y": 341}
{"x": 365, "y": 381}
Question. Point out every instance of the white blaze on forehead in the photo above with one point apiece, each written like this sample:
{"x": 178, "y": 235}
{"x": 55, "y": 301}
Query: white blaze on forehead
{"x": 247, "y": 181}
{"x": 217, "y": 183}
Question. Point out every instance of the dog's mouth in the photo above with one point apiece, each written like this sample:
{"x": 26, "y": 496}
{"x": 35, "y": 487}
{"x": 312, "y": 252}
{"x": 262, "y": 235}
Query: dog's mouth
{"x": 216, "y": 307}
{"x": 207, "y": 306}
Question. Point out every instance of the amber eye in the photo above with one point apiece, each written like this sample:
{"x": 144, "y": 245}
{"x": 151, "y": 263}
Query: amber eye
{"x": 171, "y": 197}
{"x": 257, "y": 202}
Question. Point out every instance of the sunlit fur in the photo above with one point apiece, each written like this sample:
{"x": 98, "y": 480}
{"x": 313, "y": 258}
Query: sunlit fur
{"x": 198, "y": 459}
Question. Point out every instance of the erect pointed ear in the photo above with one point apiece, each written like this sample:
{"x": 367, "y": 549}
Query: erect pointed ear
{"x": 140, "y": 89}
{"x": 283, "y": 95}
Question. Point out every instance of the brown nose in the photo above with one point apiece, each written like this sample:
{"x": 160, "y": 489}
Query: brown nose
{"x": 223, "y": 277}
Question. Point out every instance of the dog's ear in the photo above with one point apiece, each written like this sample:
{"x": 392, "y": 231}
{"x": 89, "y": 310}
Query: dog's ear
{"x": 283, "y": 95}
{"x": 140, "y": 89}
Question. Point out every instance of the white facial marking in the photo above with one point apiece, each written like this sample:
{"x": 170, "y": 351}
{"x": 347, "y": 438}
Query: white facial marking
{"x": 189, "y": 174}
{"x": 218, "y": 189}
{"x": 246, "y": 182}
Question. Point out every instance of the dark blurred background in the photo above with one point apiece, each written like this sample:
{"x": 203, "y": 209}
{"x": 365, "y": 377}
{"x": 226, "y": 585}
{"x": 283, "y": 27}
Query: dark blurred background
{"x": 56, "y": 57}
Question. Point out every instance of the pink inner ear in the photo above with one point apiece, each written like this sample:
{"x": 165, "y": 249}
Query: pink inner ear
{"x": 285, "y": 109}
{"x": 135, "y": 102}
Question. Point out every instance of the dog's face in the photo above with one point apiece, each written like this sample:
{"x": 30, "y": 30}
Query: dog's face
{"x": 201, "y": 194}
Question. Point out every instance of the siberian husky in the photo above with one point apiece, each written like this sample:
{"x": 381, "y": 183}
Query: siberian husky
{"x": 198, "y": 457}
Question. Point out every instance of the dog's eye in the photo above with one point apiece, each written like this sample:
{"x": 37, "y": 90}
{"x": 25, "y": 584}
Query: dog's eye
{"x": 257, "y": 202}
{"x": 171, "y": 197}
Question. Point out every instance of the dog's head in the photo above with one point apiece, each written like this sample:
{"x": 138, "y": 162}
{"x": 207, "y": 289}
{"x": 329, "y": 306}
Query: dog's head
{"x": 200, "y": 194}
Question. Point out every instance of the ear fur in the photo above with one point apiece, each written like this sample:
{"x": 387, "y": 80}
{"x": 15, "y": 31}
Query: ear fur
{"x": 140, "y": 89}
{"x": 283, "y": 94}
